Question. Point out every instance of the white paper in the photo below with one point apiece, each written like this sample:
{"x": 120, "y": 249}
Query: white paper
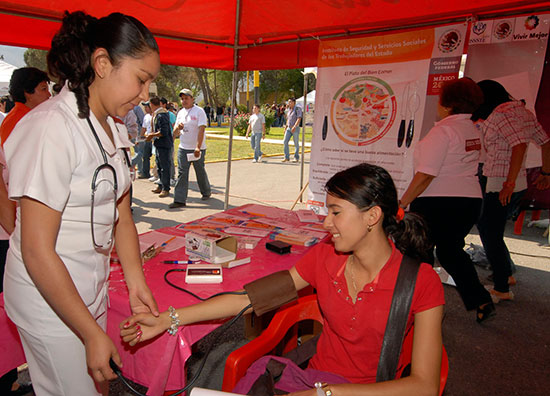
{"x": 208, "y": 392}
{"x": 236, "y": 263}
{"x": 307, "y": 216}
{"x": 158, "y": 238}
{"x": 191, "y": 157}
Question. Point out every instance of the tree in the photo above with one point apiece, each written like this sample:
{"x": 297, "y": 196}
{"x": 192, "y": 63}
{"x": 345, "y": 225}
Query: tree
{"x": 171, "y": 79}
{"x": 36, "y": 58}
{"x": 279, "y": 85}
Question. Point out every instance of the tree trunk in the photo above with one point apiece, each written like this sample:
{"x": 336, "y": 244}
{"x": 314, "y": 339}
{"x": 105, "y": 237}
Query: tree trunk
{"x": 200, "y": 77}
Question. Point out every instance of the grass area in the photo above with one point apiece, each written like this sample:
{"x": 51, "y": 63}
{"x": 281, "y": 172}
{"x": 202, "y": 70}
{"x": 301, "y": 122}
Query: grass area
{"x": 274, "y": 133}
{"x": 217, "y": 149}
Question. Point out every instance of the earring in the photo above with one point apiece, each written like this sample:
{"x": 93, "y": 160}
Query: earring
{"x": 369, "y": 228}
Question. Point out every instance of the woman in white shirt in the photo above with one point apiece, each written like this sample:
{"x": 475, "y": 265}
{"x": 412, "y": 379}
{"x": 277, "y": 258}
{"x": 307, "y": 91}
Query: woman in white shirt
{"x": 445, "y": 189}
{"x": 65, "y": 158}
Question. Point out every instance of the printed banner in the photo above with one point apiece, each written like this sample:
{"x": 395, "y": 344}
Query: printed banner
{"x": 370, "y": 101}
{"x": 511, "y": 51}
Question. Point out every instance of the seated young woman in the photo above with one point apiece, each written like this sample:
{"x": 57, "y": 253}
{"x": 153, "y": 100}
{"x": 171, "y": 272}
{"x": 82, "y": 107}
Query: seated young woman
{"x": 354, "y": 275}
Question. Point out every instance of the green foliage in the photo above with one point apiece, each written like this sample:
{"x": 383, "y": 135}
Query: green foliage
{"x": 171, "y": 79}
{"x": 240, "y": 123}
{"x": 269, "y": 117}
{"x": 279, "y": 85}
{"x": 36, "y": 58}
{"x": 241, "y": 108}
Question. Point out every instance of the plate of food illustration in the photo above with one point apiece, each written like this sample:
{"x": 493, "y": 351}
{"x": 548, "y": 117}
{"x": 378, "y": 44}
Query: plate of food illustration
{"x": 363, "y": 110}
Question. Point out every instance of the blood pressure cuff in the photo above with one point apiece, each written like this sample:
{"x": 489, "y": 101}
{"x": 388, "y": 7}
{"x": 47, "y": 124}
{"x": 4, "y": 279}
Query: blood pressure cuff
{"x": 271, "y": 292}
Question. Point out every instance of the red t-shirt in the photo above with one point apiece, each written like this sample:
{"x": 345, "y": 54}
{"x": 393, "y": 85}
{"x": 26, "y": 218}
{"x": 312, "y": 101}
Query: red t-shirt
{"x": 13, "y": 117}
{"x": 351, "y": 340}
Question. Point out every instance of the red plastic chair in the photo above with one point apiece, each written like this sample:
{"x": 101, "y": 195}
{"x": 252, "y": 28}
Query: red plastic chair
{"x": 306, "y": 308}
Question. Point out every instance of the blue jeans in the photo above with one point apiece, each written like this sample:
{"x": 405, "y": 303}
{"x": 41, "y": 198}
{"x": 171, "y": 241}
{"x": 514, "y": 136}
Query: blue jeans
{"x": 491, "y": 226}
{"x": 295, "y": 136}
{"x": 255, "y": 143}
{"x": 163, "y": 165}
{"x": 147, "y": 152}
{"x": 182, "y": 186}
{"x": 137, "y": 159}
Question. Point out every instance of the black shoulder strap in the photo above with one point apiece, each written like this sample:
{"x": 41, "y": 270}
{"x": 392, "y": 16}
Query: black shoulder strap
{"x": 397, "y": 319}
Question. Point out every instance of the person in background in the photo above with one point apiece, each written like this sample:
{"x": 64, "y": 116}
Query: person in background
{"x": 69, "y": 217}
{"x": 146, "y": 128}
{"x": 190, "y": 126}
{"x": 162, "y": 140}
{"x": 219, "y": 115}
{"x": 445, "y": 190}
{"x": 507, "y": 128}
{"x": 355, "y": 276}
{"x": 207, "y": 110}
{"x": 256, "y": 130}
{"x": 28, "y": 88}
{"x": 137, "y": 159}
{"x": 4, "y": 100}
{"x": 292, "y": 130}
{"x": 167, "y": 106}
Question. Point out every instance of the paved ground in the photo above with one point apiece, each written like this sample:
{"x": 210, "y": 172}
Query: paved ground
{"x": 507, "y": 356}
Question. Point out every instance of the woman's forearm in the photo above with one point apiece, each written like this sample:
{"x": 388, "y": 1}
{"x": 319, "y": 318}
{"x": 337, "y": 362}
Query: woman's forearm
{"x": 516, "y": 161}
{"x": 418, "y": 185}
{"x": 7, "y": 208}
{"x": 127, "y": 243}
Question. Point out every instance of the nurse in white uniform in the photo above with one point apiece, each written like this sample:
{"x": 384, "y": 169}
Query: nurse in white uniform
{"x": 69, "y": 173}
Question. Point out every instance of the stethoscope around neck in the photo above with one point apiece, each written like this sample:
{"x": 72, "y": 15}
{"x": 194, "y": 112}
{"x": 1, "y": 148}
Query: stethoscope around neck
{"x": 108, "y": 167}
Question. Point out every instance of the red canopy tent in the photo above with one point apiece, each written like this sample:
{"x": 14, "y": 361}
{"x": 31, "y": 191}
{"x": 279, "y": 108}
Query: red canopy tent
{"x": 250, "y": 34}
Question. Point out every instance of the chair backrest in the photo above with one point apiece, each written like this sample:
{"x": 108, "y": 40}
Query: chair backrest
{"x": 305, "y": 308}
{"x": 240, "y": 360}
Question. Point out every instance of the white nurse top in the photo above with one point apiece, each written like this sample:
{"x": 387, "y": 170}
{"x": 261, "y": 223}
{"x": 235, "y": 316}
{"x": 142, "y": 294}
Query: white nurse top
{"x": 52, "y": 155}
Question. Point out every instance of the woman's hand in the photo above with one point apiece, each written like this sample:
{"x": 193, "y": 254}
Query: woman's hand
{"x": 143, "y": 326}
{"x": 142, "y": 300}
{"x": 99, "y": 349}
{"x": 505, "y": 194}
{"x": 542, "y": 182}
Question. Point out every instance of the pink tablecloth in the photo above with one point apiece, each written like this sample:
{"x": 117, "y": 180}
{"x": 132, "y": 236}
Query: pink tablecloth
{"x": 11, "y": 351}
{"x": 160, "y": 363}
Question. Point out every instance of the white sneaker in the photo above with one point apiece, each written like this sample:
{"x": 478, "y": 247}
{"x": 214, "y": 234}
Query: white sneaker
{"x": 294, "y": 160}
{"x": 254, "y": 160}
{"x": 173, "y": 183}
{"x": 260, "y": 159}
{"x": 152, "y": 178}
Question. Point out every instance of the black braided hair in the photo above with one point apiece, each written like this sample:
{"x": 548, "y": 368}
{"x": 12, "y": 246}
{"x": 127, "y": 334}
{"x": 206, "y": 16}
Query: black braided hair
{"x": 69, "y": 59}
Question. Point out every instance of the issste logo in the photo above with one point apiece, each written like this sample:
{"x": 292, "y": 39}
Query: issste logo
{"x": 531, "y": 22}
{"x": 479, "y": 27}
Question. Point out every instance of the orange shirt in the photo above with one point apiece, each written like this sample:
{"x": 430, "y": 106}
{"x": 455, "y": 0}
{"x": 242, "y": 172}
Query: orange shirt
{"x": 13, "y": 117}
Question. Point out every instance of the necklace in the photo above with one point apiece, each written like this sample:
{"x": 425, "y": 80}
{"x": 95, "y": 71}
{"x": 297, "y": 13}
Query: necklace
{"x": 352, "y": 274}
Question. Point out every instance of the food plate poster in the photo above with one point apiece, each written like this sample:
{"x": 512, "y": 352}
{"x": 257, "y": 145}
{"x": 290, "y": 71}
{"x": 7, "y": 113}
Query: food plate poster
{"x": 370, "y": 101}
{"x": 511, "y": 51}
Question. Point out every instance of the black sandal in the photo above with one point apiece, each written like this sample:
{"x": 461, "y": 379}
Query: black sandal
{"x": 485, "y": 312}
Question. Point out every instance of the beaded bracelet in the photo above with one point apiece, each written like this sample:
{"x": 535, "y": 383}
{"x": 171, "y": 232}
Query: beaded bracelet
{"x": 173, "y": 329}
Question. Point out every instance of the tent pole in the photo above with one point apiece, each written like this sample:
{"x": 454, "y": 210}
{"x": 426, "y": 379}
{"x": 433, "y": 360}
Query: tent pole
{"x": 233, "y": 94}
{"x": 303, "y": 137}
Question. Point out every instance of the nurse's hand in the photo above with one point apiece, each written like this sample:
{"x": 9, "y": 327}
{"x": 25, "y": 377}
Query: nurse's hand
{"x": 99, "y": 349}
{"x": 142, "y": 300}
{"x": 144, "y": 326}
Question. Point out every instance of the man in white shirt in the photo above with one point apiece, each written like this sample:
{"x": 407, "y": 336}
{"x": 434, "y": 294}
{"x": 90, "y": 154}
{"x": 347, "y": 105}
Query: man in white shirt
{"x": 190, "y": 126}
{"x": 256, "y": 125}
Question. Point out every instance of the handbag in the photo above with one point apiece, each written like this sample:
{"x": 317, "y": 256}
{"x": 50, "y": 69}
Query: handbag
{"x": 534, "y": 198}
